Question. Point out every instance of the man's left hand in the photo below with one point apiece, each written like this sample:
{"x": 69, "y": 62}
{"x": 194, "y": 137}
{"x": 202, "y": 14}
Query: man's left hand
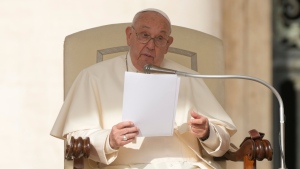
{"x": 199, "y": 126}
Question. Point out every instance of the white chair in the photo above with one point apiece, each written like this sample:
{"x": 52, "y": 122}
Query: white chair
{"x": 191, "y": 48}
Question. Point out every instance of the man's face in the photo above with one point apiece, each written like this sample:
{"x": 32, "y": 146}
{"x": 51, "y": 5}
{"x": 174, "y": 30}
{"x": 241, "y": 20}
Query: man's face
{"x": 153, "y": 25}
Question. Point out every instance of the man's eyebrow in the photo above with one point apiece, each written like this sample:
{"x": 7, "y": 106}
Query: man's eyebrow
{"x": 164, "y": 31}
{"x": 147, "y": 27}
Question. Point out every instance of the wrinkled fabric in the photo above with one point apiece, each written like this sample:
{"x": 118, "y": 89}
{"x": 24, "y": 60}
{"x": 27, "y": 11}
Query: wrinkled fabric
{"x": 95, "y": 102}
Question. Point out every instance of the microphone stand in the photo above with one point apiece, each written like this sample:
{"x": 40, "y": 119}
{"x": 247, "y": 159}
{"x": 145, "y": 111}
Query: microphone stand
{"x": 281, "y": 111}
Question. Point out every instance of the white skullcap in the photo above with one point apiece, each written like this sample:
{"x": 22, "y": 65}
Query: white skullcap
{"x": 156, "y": 10}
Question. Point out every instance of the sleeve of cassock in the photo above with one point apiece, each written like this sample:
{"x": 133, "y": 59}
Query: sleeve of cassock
{"x": 80, "y": 116}
{"x": 218, "y": 141}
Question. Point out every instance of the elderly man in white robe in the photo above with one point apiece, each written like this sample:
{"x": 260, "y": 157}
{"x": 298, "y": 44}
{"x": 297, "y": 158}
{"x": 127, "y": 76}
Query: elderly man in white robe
{"x": 93, "y": 108}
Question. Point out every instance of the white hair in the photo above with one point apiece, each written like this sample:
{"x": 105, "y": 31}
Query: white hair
{"x": 152, "y": 10}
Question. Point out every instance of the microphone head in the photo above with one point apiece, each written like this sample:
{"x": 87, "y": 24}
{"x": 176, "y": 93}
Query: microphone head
{"x": 147, "y": 68}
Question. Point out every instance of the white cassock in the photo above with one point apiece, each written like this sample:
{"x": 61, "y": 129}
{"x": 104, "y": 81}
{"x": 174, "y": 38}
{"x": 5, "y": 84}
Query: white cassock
{"x": 94, "y": 104}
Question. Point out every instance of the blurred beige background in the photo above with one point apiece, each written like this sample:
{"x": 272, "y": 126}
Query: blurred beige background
{"x": 31, "y": 50}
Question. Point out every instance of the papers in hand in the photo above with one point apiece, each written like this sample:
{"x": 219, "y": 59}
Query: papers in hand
{"x": 150, "y": 102}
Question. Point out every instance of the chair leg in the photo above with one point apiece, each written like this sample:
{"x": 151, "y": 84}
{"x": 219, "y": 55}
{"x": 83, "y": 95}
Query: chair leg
{"x": 249, "y": 164}
{"x": 78, "y": 163}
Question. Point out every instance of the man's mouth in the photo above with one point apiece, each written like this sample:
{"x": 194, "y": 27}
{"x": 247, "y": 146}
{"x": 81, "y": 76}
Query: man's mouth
{"x": 147, "y": 55}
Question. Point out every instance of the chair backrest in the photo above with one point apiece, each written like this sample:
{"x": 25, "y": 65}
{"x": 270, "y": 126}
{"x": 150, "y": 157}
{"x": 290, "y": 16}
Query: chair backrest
{"x": 191, "y": 48}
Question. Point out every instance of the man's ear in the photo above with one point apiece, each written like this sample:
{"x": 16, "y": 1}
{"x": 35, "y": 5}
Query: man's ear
{"x": 128, "y": 34}
{"x": 170, "y": 41}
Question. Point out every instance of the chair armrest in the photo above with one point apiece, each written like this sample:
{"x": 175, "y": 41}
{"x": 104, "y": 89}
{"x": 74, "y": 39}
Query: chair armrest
{"x": 251, "y": 149}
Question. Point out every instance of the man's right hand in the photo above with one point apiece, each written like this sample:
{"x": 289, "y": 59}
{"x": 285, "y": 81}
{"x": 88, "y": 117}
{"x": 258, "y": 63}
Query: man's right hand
{"x": 120, "y": 132}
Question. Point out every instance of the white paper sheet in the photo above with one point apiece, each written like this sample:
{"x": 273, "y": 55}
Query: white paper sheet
{"x": 150, "y": 102}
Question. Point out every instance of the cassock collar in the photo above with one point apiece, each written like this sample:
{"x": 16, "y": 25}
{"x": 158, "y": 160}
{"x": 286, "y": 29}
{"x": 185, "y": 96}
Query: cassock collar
{"x": 130, "y": 66}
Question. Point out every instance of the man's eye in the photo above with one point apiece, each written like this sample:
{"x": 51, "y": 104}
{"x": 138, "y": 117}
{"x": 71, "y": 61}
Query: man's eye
{"x": 144, "y": 35}
{"x": 159, "y": 38}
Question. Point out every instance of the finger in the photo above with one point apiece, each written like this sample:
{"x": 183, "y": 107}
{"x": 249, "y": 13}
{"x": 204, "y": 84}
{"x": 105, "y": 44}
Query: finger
{"x": 129, "y": 137}
{"x": 124, "y": 124}
{"x": 129, "y": 130}
{"x": 198, "y": 134}
{"x": 197, "y": 129}
{"x": 121, "y": 140}
{"x": 195, "y": 115}
{"x": 200, "y": 130}
{"x": 198, "y": 122}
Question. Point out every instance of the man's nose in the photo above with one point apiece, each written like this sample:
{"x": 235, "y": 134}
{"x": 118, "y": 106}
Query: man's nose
{"x": 151, "y": 44}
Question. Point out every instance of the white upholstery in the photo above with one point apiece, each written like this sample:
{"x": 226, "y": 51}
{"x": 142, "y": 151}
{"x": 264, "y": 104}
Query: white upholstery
{"x": 86, "y": 47}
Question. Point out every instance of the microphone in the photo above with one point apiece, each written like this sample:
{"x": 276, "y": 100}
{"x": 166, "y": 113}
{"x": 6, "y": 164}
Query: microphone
{"x": 148, "y": 68}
